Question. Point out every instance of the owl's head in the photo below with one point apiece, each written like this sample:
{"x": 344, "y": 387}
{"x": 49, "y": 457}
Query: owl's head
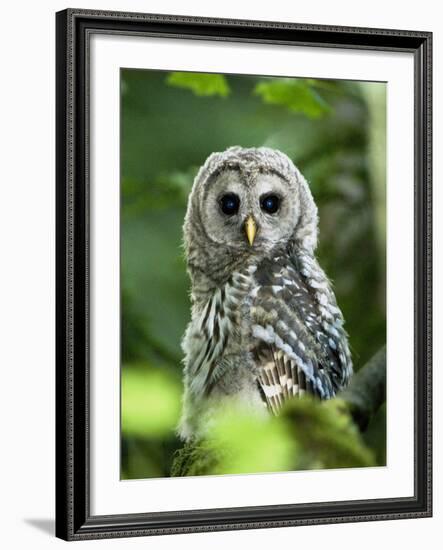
{"x": 248, "y": 201}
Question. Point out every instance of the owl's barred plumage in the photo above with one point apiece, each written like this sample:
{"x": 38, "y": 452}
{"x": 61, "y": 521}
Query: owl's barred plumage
{"x": 265, "y": 324}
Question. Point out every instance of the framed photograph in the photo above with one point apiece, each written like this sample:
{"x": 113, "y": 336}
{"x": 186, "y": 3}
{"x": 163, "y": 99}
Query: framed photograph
{"x": 243, "y": 274}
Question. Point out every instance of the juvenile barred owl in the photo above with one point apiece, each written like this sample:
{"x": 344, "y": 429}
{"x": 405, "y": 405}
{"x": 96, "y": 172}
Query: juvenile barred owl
{"x": 265, "y": 324}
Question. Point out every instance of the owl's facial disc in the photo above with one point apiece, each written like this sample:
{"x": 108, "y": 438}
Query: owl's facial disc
{"x": 249, "y": 214}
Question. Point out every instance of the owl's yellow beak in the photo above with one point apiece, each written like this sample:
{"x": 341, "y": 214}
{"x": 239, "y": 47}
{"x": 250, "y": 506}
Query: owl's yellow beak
{"x": 250, "y": 229}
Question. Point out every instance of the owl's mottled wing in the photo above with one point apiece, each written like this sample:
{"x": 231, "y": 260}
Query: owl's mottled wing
{"x": 301, "y": 345}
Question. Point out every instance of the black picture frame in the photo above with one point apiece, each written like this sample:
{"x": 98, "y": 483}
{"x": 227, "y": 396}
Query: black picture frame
{"x": 74, "y": 28}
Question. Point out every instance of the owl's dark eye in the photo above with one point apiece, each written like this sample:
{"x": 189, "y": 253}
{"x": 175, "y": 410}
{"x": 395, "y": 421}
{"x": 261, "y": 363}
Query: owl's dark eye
{"x": 270, "y": 203}
{"x": 230, "y": 204}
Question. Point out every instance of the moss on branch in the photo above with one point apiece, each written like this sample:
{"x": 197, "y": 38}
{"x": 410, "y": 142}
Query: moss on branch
{"x": 308, "y": 434}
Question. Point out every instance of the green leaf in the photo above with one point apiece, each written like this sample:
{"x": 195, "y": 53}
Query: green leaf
{"x": 249, "y": 443}
{"x": 150, "y": 402}
{"x": 298, "y": 96}
{"x": 202, "y": 84}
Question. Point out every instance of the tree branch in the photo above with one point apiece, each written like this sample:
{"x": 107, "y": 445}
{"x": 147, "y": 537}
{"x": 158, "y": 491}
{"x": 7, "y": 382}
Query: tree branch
{"x": 367, "y": 390}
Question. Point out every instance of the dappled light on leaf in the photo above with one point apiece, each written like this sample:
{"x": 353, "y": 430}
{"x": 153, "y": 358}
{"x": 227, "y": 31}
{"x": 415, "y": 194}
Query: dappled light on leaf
{"x": 296, "y": 95}
{"x": 201, "y": 84}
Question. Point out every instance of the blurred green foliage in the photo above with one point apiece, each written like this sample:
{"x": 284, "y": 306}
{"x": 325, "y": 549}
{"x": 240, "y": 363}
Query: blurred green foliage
{"x": 170, "y": 123}
{"x": 307, "y": 435}
{"x": 152, "y": 402}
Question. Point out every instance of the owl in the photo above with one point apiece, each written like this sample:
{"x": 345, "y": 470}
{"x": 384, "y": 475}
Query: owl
{"x": 265, "y": 326}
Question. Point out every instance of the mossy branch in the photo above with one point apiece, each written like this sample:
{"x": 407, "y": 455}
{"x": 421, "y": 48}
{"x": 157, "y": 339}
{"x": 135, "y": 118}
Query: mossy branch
{"x": 307, "y": 435}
